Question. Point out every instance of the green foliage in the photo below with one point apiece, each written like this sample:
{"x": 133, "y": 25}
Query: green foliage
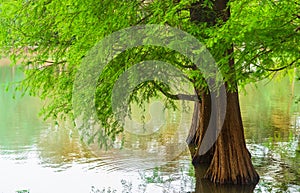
{"x": 297, "y": 77}
{"x": 51, "y": 37}
{"x": 155, "y": 177}
{"x": 22, "y": 191}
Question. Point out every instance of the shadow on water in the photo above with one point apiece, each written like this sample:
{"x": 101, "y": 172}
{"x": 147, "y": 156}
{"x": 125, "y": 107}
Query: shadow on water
{"x": 204, "y": 185}
{"x": 185, "y": 180}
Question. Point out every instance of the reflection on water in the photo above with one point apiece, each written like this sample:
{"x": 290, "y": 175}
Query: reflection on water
{"x": 273, "y": 134}
{"x": 19, "y": 123}
{"x": 144, "y": 147}
{"x": 44, "y": 157}
{"x": 204, "y": 185}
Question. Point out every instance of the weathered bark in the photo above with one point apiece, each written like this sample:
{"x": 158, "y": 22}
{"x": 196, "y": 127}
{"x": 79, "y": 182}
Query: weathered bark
{"x": 198, "y": 128}
{"x": 229, "y": 160}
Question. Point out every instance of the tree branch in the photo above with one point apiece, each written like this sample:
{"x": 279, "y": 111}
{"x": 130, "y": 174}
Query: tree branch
{"x": 277, "y": 69}
{"x": 176, "y": 96}
{"x": 48, "y": 63}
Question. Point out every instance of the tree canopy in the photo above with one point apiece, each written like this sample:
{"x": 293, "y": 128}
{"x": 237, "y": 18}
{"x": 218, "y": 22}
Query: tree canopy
{"x": 52, "y": 37}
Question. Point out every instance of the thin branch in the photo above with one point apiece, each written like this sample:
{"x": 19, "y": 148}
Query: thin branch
{"x": 277, "y": 69}
{"x": 192, "y": 66}
{"x": 49, "y": 63}
{"x": 176, "y": 96}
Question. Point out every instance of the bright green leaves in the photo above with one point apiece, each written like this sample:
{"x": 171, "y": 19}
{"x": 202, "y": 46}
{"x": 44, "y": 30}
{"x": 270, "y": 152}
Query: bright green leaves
{"x": 264, "y": 36}
{"x": 53, "y": 36}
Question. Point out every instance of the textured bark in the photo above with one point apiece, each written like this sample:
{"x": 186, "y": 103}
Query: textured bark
{"x": 198, "y": 128}
{"x": 229, "y": 160}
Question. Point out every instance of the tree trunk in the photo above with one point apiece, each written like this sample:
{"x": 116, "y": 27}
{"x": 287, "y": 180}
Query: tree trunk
{"x": 198, "y": 128}
{"x": 229, "y": 160}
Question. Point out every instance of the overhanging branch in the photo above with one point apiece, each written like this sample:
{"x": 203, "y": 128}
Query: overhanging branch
{"x": 176, "y": 96}
{"x": 278, "y": 69}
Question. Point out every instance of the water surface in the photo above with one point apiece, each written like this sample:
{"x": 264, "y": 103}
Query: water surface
{"x": 42, "y": 157}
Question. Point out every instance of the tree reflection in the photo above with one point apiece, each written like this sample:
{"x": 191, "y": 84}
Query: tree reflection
{"x": 60, "y": 145}
{"x": 190, "y": 179}
{"x": 204, "y": 185}
{"x": 267, "y": 111}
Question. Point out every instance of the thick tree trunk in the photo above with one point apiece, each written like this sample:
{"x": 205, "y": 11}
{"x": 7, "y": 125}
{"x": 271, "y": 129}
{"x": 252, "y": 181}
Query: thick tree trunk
{"x": 229, "y": 160}
{"x": 198, "y": 128}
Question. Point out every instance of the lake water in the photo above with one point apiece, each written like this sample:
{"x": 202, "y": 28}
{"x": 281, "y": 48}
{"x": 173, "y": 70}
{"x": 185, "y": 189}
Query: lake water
{"x": 41, "y": 157}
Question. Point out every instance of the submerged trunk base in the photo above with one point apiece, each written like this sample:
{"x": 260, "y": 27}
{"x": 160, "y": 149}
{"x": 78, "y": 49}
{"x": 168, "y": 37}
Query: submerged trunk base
{"x": 229, "y": 159}
{"x": 237, "y": 169}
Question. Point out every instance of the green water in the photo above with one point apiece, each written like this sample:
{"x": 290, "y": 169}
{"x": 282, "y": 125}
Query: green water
{"x": 40, "y": 157}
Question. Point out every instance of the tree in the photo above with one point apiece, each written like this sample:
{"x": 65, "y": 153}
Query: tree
{"x": 249, "y": 39}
